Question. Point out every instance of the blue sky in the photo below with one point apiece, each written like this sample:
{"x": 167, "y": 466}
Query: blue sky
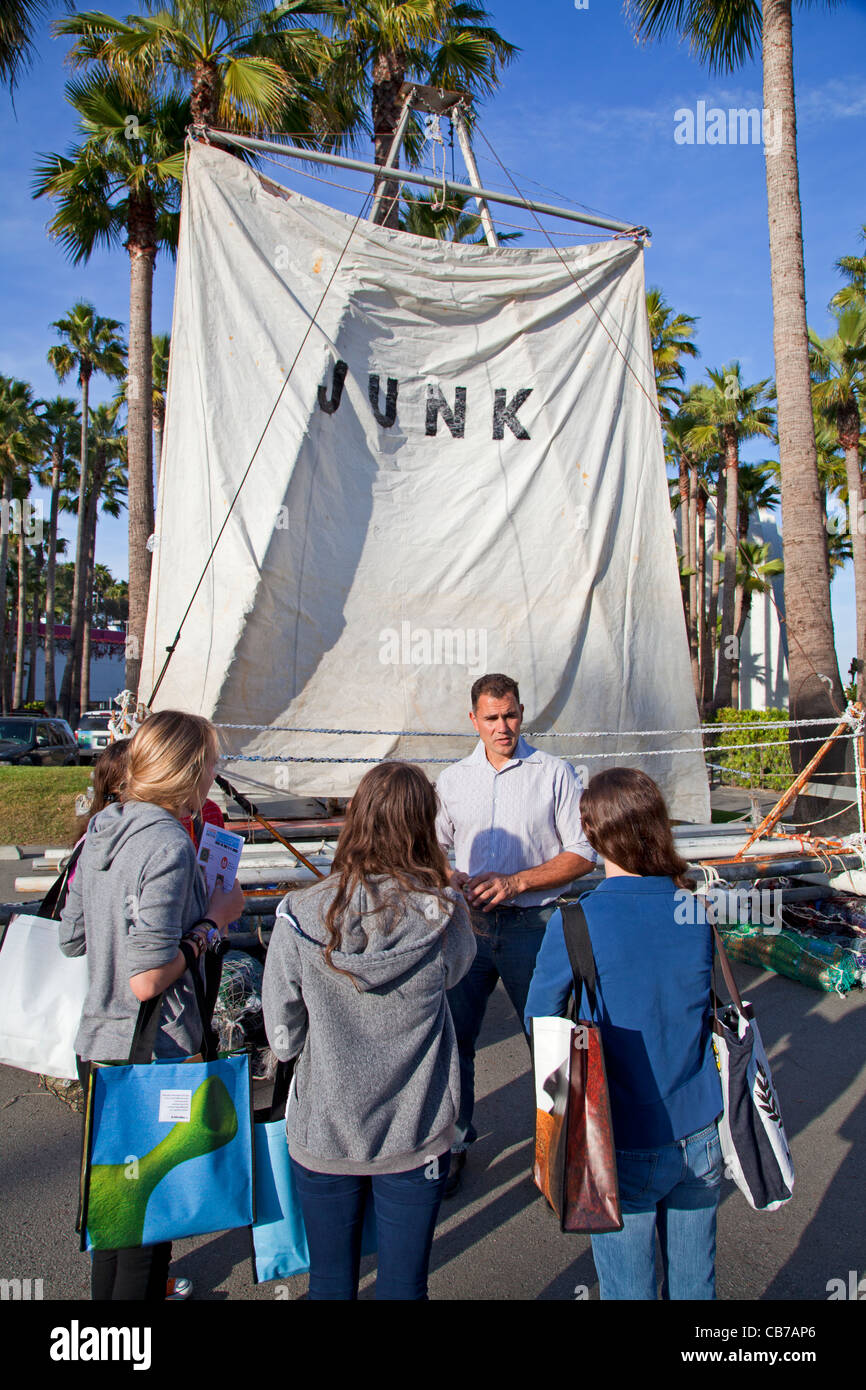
{"x": 584, "y": 114}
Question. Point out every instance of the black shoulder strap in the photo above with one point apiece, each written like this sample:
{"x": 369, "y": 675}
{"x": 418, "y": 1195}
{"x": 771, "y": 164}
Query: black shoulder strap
{"x": 52, "y": 904}
{"x": 579, "y": 948}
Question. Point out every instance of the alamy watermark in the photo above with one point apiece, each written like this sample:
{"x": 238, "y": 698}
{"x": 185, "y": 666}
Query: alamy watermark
{"x": 438, "y": 646}
{"x": 21, "y": 1290}
{"x": 742, "y": 907}
{"x": 22, "y": 518}
{"x": 854, "y": 1288}
{"x": 737, "y": 126}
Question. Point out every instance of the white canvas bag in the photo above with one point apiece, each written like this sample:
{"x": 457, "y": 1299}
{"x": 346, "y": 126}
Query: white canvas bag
{"x": 41, "y": 998}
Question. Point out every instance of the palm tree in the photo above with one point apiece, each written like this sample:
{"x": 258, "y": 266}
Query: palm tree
{"x": 18, "y": 19}
{"x": 108, "y": 485}
{"x": 724, "y": 36}
{"x": 755, "y": 571}
{"x": 853, "y": 295}
{"x": 21, "y": 440}
{"x": 91, "y": 345}
{"x": 671, "y": 337}
{"x": 60, "y": 418}
{"x": 839, "y": 366}
{"x": 161, "y": 351}
{"x": 448, "y": 43}
{"x": 120, "y": 187}
{"x": 676, "y": 430}
{"x": 247, "y": 64}
{"x": 726, "y": 413}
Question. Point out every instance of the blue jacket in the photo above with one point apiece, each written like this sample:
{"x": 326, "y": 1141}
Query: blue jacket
{"x": 653, "y": 998}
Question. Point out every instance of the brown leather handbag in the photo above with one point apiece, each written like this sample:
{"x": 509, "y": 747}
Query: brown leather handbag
{"x": 575, "y": 1159}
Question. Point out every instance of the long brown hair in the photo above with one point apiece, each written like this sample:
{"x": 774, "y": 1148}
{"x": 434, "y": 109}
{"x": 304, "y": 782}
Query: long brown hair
{"x": 107, "y": 778}
{"x": 626, "y": 821}
{"x": 390, "y": 831}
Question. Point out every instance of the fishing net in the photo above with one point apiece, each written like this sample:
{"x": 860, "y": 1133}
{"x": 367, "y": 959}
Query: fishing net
{"x": 823, "y": 964}
{"x": 238, "y": 1012}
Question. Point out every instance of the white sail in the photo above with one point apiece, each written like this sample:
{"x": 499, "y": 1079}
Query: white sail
{"x": 463, "y": 474}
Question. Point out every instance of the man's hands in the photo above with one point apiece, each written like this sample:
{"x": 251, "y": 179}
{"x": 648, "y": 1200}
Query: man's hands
{"x": 486, "y": 891}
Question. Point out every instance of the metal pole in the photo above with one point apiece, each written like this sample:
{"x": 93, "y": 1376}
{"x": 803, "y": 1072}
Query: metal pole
{"x": 472, "y": 170}
{"x": 409, "y": 176}
{"x": 798, "y": 783}
{"x": 393, "y": 156}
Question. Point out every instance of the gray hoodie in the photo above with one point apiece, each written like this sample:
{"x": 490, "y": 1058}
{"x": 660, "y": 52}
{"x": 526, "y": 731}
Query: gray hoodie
{"x": 377, "y": 1083}
{"x": 136, "y": 890}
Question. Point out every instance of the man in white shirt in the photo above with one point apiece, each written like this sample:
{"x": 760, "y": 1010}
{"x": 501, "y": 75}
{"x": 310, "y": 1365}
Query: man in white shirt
{"x": 512, "y": 816}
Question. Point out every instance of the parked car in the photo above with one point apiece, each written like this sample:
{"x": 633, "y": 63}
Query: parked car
{"x": 92, "y": 734}
{"x": 37, "y": 740}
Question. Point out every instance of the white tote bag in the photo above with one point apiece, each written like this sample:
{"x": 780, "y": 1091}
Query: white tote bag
{"x": 41, "y": 998}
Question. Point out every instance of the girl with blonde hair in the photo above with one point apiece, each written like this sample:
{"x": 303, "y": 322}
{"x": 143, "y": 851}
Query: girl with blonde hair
{"x": 137, "y": 907}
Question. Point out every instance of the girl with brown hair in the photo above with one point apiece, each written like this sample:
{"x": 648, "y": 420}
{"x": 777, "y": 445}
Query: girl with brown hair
{"x": 354, "y": 989}
{"x": 653, "y": 952}
{"x": 137, "y": 907}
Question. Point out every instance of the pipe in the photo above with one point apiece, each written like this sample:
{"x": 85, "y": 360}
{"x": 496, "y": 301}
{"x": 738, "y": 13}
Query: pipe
{"x": 489, "y": 195}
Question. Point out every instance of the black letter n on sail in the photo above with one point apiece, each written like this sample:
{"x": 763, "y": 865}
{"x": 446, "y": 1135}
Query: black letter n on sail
{"x": 329, "y": 406}
{"x": 507, "y": 414}
{"x": 437, "y": 405}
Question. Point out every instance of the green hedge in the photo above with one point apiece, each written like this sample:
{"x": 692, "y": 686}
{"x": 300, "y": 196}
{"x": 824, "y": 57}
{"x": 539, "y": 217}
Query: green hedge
{"x": 764, "y": 767}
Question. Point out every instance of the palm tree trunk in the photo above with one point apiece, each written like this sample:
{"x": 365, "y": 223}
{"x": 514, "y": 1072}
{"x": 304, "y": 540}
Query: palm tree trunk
{"x": 158, "y": 429}
{"x": 205, "y": 95}
{"x": 691, "y": 560}
{"x": 718, "y": 533}
{"x": 34, "y": 630}
{"x": 142, "y": 254}
{"x": 18, "y": 692}
{"x": 56, "y": 466}
{"x": 723, "y": 696}
{"x": 88, "y": 618}
{"x": 809, "y": 623}
{"x": 702, "y": 594}
{"x": 72, "y": 670}
{"x": 4, "y": 569}
{"x": 388, "y": 73}
{"x": 848, "y": 424}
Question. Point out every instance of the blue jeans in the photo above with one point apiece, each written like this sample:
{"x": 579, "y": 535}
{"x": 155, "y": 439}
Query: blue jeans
{"x": 406, "y": 1206}
{"x": 508, "y": 942}
{"x": 675, "y": 1191}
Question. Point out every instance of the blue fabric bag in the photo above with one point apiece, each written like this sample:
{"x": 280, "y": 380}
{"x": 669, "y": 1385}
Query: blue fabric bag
{"x": 279, "y": 1238}
{"x": 168, "y": 1152}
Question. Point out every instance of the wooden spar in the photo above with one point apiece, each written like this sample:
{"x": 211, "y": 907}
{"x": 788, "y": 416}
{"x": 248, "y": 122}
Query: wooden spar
{"x": 251, "y": 810}
{"x": 772, "y": 816}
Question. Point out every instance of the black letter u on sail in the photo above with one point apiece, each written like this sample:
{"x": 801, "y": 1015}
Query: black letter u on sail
{"x": 329, "y": 406}
{"x": 390, "y": 400}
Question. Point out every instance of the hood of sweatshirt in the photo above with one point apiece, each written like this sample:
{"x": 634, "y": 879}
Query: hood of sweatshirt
{"x": 114, "y": 827}
{"x": 379, "y": 944}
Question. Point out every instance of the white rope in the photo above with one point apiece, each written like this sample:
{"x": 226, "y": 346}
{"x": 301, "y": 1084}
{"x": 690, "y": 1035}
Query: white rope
{"x": 550, "y": 733}
{"x": 645, "y": 753}
{"x": 433, "y": 133}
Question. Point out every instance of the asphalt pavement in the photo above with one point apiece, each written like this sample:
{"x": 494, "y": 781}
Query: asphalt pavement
{"x": 496, "y": 1240}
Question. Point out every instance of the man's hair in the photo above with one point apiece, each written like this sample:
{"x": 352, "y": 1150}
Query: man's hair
{"x": 496, "y": 685}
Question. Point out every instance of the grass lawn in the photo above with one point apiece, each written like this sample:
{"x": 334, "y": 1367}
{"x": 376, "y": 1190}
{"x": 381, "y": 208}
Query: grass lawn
{"x": 37, "y": 804}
